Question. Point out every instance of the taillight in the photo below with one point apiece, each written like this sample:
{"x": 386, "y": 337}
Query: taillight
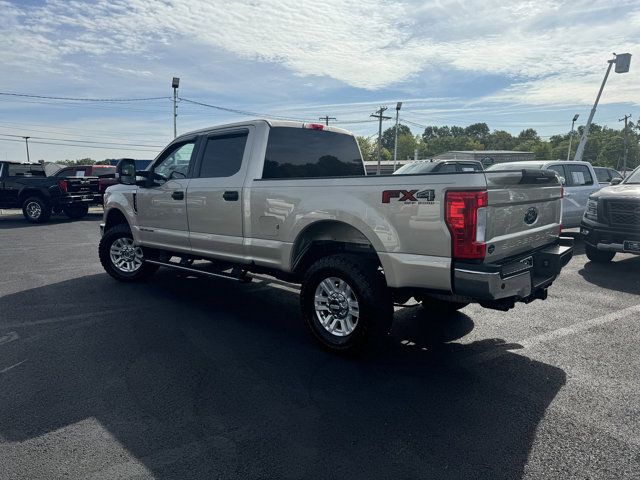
{"x": 466, "y": 217}
{"x": 313, "y": 126}
{"x": 64, "y": 185}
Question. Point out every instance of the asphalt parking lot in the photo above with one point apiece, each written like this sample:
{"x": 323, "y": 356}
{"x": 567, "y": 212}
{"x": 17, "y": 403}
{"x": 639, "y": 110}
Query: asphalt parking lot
{"x": 183, "y": 378}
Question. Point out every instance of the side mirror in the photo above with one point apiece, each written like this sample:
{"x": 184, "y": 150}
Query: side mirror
{"x": 126, "y": 171}
{"x": 616, "y": 181}
{"x": 563, "y": 181}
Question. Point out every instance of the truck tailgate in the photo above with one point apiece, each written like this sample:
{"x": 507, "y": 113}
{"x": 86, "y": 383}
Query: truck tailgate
{"x": 82, "y": 185}
{"x": 524, "y": 211}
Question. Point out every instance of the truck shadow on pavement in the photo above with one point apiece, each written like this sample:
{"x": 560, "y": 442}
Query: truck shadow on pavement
{"x": 193, "y": 378}
{"x": 621, "y": 274}
{"x": 10, "y": 221}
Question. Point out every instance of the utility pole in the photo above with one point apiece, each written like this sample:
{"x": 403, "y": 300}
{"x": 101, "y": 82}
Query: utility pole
{"x": 175, "y": 83}
{"x": 626, "y": 147}
{"x": 380, "y": 117}
{"x": 395, "y": 143}
{"x": 621, "y": 62}
{"x": 26, "y": 142}
{"x": 326, "y": 119}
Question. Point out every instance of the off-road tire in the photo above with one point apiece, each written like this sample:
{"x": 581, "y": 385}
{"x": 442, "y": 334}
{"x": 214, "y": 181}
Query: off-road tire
{"x": 75, "y": 212}
{"x": 104, "y": 251}
{"x": 598, "y": 256}
{"x": 41, "y": 205}
{"x": 373, "y": 297}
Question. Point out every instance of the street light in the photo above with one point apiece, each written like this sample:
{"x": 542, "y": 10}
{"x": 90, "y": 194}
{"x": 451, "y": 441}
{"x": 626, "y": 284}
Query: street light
{"x": 26, "y": 142}
{"x": 573, "y": 122}
{"x": 395, "y": 143}
{"x": 175, "y": 83}
{"x": 622, "y": 63}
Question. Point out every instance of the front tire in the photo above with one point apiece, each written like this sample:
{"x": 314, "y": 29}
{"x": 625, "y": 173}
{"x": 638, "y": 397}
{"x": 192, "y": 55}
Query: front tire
{"x": 346, "y": 303}
{"x": 36, "y": 210}
{"x": 598, "y": 256}
{"x": 75, "y": 212}
{"x": 120, "y": 258}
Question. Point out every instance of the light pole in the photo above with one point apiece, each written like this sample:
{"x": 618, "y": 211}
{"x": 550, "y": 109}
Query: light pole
{"x": 573, "y": 122}
{"x": 622, "y": 62}
{"x": 395, "y": 143}
{"x": 26, "y": 142}
{"x": 175, "y": 83}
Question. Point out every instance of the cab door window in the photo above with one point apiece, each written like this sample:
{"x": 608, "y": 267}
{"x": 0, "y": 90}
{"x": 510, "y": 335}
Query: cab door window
{"x": 175, "y": 163}
{"x": 223, "y": 154}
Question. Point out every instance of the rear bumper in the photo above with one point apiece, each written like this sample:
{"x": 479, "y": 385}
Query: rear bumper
{"x": 521, "y": 279}
{"x": 77, "y": 199}
{"x": 607, "y": 239}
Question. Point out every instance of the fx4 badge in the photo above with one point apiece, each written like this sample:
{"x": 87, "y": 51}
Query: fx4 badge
{"x": 409, "y": 196}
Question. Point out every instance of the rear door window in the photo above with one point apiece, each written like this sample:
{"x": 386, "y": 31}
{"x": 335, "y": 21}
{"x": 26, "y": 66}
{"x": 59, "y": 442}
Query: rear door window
{"x": 579, "y": 175}
{"x": 25, "y": 170}
{"x": 223, "y": 155}
{"x": 306, "y": 153}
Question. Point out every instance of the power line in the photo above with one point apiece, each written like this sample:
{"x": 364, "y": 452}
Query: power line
{"x": 76, "y": 145}
{"x": 77, "y": 99}
{"x": 86, "y": 141}
{"x": 241, "y": 112}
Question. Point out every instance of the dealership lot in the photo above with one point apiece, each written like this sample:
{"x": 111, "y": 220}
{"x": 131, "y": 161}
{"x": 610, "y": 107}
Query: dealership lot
{"x": 184, "y": 377}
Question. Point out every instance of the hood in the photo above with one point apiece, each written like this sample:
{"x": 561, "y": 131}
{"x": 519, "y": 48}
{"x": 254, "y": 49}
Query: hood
{"x": 618, "y": 191}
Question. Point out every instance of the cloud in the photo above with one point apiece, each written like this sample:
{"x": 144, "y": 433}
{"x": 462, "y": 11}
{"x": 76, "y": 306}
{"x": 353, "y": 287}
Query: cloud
{"x": 367, "y": 44}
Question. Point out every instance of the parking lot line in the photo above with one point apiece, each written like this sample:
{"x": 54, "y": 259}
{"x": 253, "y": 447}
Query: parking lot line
{"x": 536, "y": 340}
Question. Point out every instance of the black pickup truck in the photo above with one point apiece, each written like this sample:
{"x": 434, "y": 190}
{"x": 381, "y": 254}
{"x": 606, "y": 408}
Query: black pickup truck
{"x": 611, "y": 222}
{"x": 26, "y": 186}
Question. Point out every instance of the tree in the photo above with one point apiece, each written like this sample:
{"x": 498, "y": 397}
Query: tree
{"x": 406, "y": 146}
{"x": 478, "y": 131}
{"x": 389, "y": 135}
{"x": 500, "y": 140}
{"x": 528, "y": 134}
{"x": 366, "y": 148}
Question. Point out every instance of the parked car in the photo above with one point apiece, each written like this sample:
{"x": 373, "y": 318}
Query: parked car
{"x": 104, "y": 173}
{"x": 292, "y": 200}
{"x": 611, "y": 223}
{"x": 439, "y": 166}
{"x": 606, "y": 175}
{"x": 25, "y": 185}
{"x": 578, "y": 178}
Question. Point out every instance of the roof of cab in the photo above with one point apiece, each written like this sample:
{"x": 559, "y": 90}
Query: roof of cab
{"x": 268, "y": 121}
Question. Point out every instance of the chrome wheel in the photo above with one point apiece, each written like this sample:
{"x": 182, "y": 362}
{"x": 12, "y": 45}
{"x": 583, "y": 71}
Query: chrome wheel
{"x": 125, "y": 256}
{"x": 34, "y": 210}
{"x": 336, "y": 306}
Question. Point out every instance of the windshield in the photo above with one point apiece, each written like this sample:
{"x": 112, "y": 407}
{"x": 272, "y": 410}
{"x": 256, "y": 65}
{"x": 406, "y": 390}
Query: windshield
{"x": 634, "y": 178}
{"x": 512, "y": 166}
{"x": 415, "y": 167}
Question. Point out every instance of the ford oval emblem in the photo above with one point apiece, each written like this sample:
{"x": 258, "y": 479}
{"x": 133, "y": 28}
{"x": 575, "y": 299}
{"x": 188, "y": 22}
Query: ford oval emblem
{"x": 531, "y": 216}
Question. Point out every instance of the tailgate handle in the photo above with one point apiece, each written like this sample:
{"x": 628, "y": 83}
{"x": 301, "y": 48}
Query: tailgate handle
{"x": 177, "y": 195}
{"x": 231, "y": 196}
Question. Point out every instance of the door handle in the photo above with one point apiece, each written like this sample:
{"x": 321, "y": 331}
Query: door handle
{"x": 177, "y": 195}
{"x": 231, "y": 196}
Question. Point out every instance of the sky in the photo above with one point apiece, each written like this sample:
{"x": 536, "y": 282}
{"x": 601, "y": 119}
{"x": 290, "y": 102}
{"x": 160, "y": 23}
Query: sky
{"x": 513, "y": 65}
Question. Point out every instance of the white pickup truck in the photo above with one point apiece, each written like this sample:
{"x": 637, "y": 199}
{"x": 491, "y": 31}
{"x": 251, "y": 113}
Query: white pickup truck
{"x": 292, "y": 200}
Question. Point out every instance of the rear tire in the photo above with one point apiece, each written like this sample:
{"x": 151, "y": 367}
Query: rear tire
{"x": 346, "y": 303}
{"x": 598, "y": 256}
{"x": 75, "y": 212}
{"x": 36, "y": 210}
{"x": 120, "y": 258}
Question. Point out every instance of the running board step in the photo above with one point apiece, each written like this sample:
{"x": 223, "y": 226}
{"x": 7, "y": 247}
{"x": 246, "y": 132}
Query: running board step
{"x": 236, "y": 274}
